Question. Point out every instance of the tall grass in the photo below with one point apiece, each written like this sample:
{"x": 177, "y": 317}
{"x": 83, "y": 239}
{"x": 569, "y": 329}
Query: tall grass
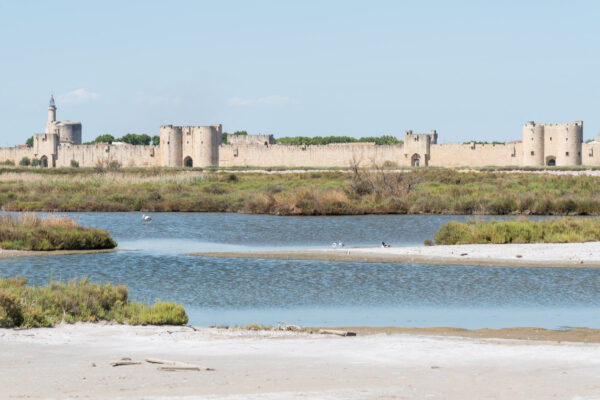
{"x": 78, "y": 301}
{"x": 31, "y": 232}
{"x": 521, "y": 230}
{"x": 377, "y": 191}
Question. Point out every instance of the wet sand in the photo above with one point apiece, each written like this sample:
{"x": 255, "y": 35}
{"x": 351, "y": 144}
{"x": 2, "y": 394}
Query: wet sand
{"x": 74, "y": 361}
{"x": 579, "y": 255}
{"x": 26, "y": 253}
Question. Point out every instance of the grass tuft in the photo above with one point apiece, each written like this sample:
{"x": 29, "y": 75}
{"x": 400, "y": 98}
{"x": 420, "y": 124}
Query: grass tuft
{"x": 78, "y": 301}
{"x": 521, "y": 230}
{"x": 31, "y": 232}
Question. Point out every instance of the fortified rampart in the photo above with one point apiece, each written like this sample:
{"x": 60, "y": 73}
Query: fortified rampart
{"x": 552, "y": 144}
{"x": 322, "y": 156}
{"x": 250, "y": 139}
{"x": 200, "y": 146}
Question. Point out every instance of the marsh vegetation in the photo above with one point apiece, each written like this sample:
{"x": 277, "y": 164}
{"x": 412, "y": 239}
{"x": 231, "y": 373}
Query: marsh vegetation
{"x": 22, "y": 305}
{"x": 350, "y": 192}
{"x": 521, "y": 230}
{"x": 32, "y": 232}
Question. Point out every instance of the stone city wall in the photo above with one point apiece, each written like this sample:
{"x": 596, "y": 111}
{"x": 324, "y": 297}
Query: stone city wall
{"x": 332, "y": 155}
{"x": 590, "y": 153}
{"x": 249, "y": 139}
{"x": 476, "y": 155}
{"x": 125, "y": 154}
{"x": 15, "y": 154}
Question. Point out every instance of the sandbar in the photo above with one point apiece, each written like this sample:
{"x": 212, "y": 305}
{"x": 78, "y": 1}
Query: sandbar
{"x": 578, "y": 255}
{"x": 27, "y": 253}
{"x": 74, "y": 361}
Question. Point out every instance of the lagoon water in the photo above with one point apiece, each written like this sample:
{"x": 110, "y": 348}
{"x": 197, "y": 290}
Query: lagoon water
{"x": 154, "y": 264}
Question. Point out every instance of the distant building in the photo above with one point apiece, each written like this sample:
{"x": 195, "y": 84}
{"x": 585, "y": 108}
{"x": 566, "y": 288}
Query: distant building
{"x": 201, "y": 146}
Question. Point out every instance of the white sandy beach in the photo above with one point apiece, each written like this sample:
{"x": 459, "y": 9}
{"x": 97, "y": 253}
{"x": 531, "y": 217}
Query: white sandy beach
{"x": 530, "y": 255}
{"x": 73, "y": 361}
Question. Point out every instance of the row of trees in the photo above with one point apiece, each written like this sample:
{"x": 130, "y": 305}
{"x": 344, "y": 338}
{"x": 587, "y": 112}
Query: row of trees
{"x": 131, "y": 138}
{"x": 321, "y": 140}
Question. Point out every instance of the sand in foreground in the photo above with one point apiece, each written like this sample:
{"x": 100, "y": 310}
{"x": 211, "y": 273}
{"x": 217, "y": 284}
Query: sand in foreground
{"x": 73, "y": 361}
{"x": 579, "y": 255}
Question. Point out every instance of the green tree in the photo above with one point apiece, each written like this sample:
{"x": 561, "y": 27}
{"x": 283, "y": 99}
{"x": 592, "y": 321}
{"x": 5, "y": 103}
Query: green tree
{"x": 155, "y": 140}
{"x": 29, "y": 142}
{"x": 104, "y": 139}
{"x": 224, "y": 137}
{"x": 135, "y": 139}
{"x": 240, "y": 133}
{"x": 323, "y": 140}
{"x": 25, "y": 162}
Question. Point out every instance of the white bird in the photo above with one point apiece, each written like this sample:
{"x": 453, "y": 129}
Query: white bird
{"x": 146, "y": 218}
{"x": 334, "y": 244}
{"x": 340, "y": 244}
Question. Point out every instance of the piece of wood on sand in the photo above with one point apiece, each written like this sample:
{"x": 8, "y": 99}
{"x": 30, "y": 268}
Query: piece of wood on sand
{"x": 336, "y": 332}
{"x": 169, "y": 365}
{"x": 124, "y": 362}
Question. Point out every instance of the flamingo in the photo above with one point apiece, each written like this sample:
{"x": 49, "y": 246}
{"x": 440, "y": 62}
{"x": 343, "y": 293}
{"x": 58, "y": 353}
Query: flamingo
{"x": 146, "y": 218}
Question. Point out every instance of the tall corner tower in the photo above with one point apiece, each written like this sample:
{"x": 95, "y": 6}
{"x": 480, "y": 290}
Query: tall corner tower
{"x": 51, "y": 123}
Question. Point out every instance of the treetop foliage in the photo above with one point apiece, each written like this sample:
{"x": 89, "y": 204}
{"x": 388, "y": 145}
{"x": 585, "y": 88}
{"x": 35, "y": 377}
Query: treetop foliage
{"x": 131, "y": 138}
{"x": 323, "y": 140}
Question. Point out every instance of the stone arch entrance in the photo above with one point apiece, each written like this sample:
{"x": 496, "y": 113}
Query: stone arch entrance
{"x": 551, "y": 161}
{"x": 44, "y": 162}
{"x": 188, "y": 162}
{"x": 415, "y": 160}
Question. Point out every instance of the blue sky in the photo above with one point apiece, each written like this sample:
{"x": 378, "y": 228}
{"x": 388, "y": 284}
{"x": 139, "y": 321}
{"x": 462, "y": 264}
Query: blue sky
{"x": 470, "y": 69}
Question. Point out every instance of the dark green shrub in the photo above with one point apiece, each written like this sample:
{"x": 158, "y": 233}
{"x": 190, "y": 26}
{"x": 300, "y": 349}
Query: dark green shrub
{"x": 25, "y": 162}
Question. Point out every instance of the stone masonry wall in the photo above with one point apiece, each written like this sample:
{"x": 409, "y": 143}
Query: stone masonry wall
{"x": 127, "y": 155}
{"x": 333, "y": 155}
{"x": 15, "y": 153}
{"x": 476, "y": 155}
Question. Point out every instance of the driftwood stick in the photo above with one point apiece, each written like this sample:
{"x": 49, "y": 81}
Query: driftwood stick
{"x": 124, "y": 362}
{"x": 157, "y": 361}
{"x": 336, "y": 332}
{"x": 176, "y": 365}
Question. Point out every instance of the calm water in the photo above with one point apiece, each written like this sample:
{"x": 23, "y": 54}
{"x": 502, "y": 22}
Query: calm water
{"x": 239, "y": 291}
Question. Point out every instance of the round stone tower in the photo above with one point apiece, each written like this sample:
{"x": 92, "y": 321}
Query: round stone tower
{"x": 70, "y": 132}
{"x": 171, "y": 146}
{"x": 51, "y": 110}
{"x": 533, "y": 144}
{"x": 570, "y": 143}
{"x": 210, "y": 139}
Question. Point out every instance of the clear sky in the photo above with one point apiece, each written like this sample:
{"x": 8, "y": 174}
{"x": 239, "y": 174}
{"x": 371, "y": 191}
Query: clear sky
{"x": 470, "y": 69}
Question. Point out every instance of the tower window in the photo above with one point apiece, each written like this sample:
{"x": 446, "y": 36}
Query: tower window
{"x": 567, "y": 154}
{"x": 551, "y": 138}
{"x": 578, "y": 153}
{"x": 533, "y": 153}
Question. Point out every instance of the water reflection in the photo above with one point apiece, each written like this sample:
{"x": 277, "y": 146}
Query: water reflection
{"x": 239, "y": 291}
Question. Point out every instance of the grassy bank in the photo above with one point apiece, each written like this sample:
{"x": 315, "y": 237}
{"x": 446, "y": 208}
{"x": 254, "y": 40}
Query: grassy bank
{"x": 522, "y": 230}
{"x": 430, "y": 191}
{"x": 30, "y": 232}
{"x": 33, "y": 306}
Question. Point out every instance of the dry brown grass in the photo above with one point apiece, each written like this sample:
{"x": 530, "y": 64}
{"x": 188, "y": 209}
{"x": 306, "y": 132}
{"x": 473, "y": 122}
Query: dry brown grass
{"x": 32, "y": 232}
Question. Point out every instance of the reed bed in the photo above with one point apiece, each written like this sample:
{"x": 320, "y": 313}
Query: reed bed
{"x": 32, "y": 232}
{"x": 356, "y": 191}
{"x": 521, "y": 230}
{"x": 78, "y": 301}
